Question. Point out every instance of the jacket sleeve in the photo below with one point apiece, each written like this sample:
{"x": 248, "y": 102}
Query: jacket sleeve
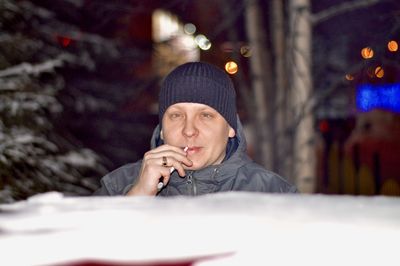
{"x": 102, "y": 190}
{"x": 119, "y": 181}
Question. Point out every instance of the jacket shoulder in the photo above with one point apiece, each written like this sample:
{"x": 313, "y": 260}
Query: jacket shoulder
{"x": 256, "y": 178}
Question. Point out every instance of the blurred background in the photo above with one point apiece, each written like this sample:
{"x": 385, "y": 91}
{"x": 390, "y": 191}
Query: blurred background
{"x": 318, "y": 85}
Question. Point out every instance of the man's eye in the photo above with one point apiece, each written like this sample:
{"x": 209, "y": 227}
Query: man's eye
{"x": 207, "y": 115}
{"x": 175, "y": 115}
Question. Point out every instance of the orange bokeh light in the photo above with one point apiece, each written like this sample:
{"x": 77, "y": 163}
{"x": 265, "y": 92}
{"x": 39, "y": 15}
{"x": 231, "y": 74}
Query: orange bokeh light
{"x": 349, "y": 77}
{"x": 393, "y": 46}
{"x": 379, "y": 72}
{"x": 367, "y": 52}
{"x": 231, "y": 67}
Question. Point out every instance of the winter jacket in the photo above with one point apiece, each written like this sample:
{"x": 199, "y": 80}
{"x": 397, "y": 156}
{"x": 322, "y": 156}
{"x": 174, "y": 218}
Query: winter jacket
{"x": 236, "y": 173}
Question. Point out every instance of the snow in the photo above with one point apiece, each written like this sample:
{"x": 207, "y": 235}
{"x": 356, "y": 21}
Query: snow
{"x": 36, "y": 69}
{"x": 241, "y": 228}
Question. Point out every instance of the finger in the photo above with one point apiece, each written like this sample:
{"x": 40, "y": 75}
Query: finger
{"x": 181, "y": 171}
{"x": 169, "y": 148}
{"x": 178, "y": 165}
{"x": 176, "y": 161}
{"x": 167, "y": 159}
{"x": 152, "y": 170}
{"x": 164, "y": 158}
{"x": 165, "y": 175}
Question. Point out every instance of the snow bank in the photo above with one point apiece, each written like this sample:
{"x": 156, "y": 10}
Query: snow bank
{"x": 239, "y": 228}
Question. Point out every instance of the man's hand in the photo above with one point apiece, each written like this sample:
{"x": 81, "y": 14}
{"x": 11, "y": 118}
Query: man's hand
{"x": 157, "y": 163}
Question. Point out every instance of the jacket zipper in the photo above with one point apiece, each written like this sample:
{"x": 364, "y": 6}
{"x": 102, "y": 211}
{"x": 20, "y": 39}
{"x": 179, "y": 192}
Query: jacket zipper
{"x": 191, "y": 181}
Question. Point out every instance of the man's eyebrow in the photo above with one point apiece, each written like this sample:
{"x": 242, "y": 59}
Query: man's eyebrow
{"x": 207, "y": 109}
{"x": 174, "y": 109}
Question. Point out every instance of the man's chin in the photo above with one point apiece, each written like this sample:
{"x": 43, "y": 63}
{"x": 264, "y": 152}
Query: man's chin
{"x": 193, "y": 167}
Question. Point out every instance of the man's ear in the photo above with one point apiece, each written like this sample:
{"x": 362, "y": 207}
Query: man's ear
{"x": 232, "y": 132}
{"x": 161, "y": 135}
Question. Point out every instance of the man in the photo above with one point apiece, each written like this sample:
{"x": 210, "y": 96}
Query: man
{"x": 198, "y": 147}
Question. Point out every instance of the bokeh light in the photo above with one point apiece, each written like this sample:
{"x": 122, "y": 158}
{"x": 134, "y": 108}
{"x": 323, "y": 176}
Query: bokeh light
{"x": 64, "y": 41}
{"x": 245, "y": 51}
{"x": 189, "y": 28}
{"x": 393, "y": 46}
{"x": 386, "y": 97}
{"x": 379, "y": 72}
{"x": 202, "y": 42}
{"x": 367, "y": 52}
{"x": 231, "y": 67}
{"x": 323, "y": 126}
{"x": 349, "y": 77}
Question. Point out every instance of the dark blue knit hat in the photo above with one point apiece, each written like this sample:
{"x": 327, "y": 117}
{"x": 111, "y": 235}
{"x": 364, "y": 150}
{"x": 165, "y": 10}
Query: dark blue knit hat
{"x": 199, "y": 82}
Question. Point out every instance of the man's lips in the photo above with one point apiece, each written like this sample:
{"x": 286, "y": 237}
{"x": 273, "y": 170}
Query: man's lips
{"x": 194, "y": 149}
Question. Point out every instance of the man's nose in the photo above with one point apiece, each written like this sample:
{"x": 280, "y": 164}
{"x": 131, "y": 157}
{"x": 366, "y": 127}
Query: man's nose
{"x": 190, "y": 129}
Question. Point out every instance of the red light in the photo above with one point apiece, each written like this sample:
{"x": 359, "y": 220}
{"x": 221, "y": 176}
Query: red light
{"x": 323, "y": 126}
{"x": 64, "y": 41}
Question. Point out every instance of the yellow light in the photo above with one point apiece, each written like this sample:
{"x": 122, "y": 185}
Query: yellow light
{"x": 349, "y": 77}
{"x": 202, "y": 42}
{"x": 379, "y": 72}
{"x": 231, "y": 67}
{"x": 393, "y": 46}
{"x": 367, "y": 52}
{"x": 245, "y": 51}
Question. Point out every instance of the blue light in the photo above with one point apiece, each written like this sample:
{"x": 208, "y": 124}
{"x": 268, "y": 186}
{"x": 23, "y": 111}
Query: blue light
{"x": 385, "y": 97}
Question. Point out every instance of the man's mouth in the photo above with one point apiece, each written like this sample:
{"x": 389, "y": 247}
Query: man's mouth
{"x": 194, "y": 149}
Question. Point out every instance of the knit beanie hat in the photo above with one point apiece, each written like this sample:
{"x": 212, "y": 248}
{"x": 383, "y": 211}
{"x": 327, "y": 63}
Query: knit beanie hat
{"x": 199, "y": 82}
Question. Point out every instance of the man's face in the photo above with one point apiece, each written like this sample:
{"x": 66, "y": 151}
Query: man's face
{"x": 199, "y": 127}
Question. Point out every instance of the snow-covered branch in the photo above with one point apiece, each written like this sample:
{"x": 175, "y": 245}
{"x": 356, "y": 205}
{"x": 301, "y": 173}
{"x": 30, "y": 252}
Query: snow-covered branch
{"x": 36, "y": 10}
{"x": 36, "y": 69}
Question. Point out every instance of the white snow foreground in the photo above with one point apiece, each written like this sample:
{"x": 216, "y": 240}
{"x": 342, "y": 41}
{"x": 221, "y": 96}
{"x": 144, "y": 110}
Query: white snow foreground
{"x": 233, "y": 228}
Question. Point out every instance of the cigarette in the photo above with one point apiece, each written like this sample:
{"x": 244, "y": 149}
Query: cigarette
{"x": 160, "y": 184}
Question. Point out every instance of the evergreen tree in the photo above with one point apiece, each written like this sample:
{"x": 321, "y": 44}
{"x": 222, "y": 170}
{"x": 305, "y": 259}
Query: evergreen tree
{"x": 39, "y": 47}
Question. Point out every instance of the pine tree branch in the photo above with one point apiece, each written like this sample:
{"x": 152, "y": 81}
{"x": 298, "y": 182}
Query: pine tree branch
{"x": 36, "y": 69}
